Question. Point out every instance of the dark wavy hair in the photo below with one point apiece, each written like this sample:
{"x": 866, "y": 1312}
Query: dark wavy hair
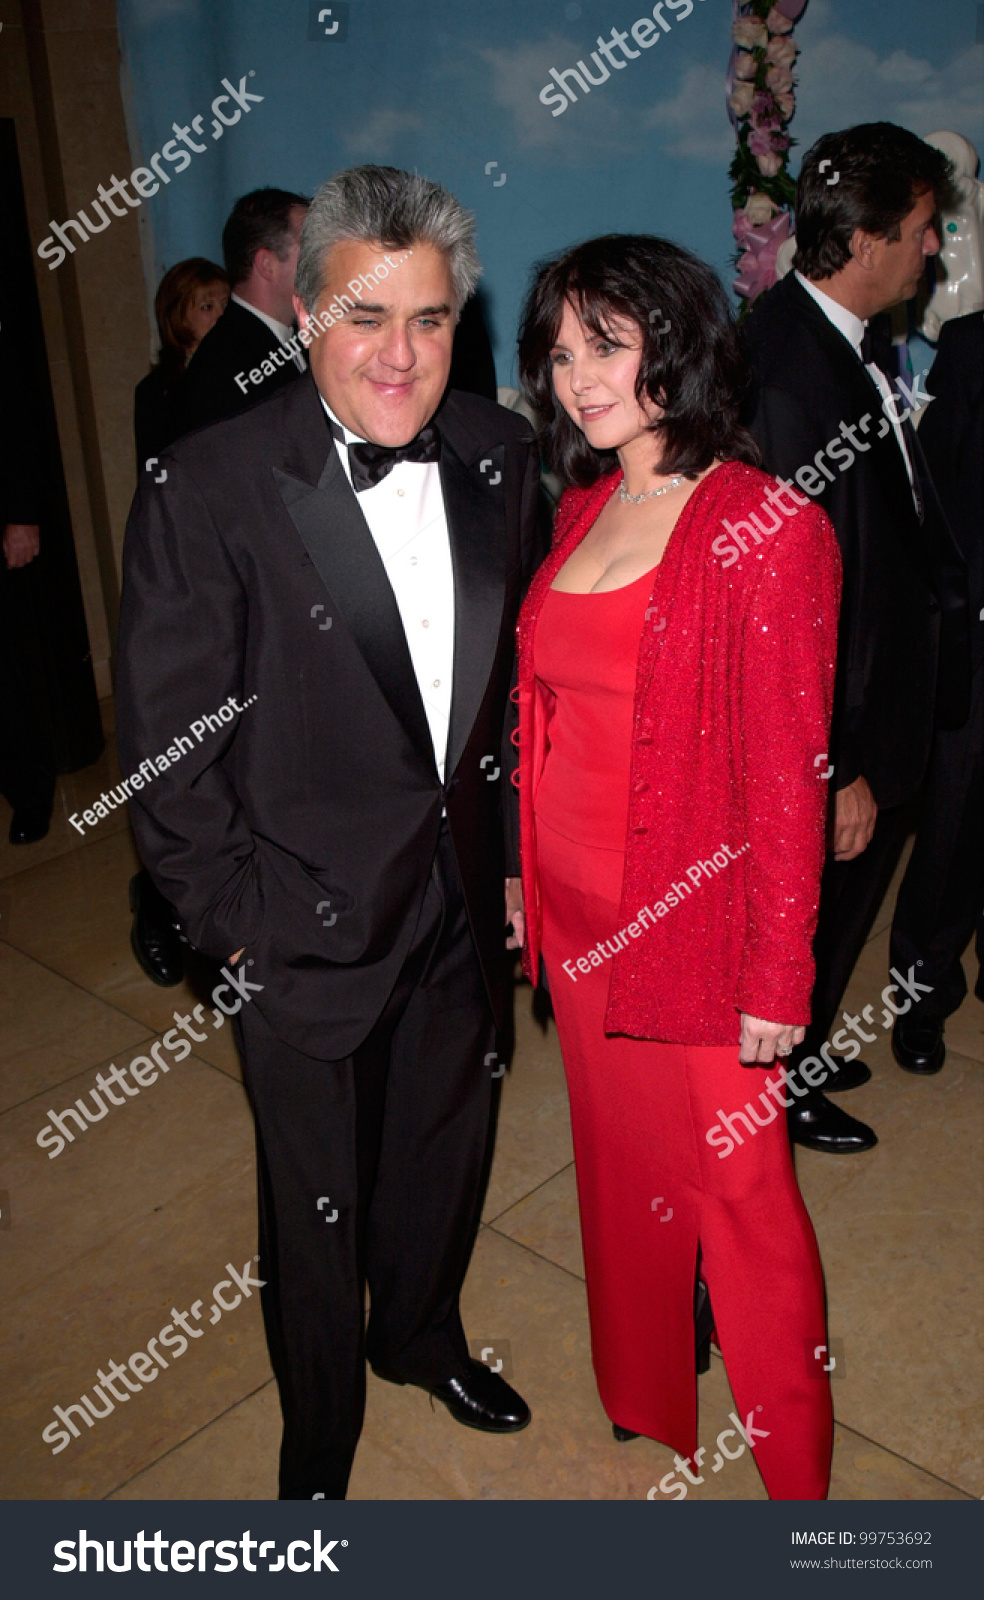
{"x": 690, "y": 364}
{"x": 867, "y": 177}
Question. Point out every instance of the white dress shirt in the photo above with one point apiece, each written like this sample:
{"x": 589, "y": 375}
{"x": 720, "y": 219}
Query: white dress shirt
{"x": 852, "y": 327}
{"x": 406, "y": 517}
{"x": 283, "y": 331}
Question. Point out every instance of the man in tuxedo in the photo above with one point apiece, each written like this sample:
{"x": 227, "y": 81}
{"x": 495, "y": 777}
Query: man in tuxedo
{"x": 941, "y": 894}
{"x": 830, "y": 423}
{"x": 325, "y": 589}
{"x": 259, "y": 245}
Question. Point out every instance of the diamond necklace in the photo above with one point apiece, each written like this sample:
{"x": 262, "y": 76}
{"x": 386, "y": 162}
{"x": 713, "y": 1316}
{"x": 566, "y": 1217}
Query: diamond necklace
{"x": 650, "y": 494}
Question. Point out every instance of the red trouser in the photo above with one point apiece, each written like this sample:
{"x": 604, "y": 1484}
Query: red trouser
{"x": 640, "y": 1112}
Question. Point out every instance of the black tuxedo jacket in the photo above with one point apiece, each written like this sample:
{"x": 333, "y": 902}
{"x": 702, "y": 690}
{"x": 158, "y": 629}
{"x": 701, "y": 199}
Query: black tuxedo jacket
{"x": 304, "y": 826}
{"x": 904, "y": 583}
{"x": 208, "y": 390}
{"x": 952, "y": 437}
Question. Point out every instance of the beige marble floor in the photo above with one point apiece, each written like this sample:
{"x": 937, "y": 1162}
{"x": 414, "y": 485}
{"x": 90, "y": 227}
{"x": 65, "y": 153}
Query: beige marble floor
{"x": 141, "y": 1213}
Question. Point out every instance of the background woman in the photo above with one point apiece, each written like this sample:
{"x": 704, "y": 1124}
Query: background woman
{"x": 190, "y": 300}
{"x": 677, "y": 656}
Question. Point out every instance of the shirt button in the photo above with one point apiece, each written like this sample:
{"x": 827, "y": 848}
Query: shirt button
{"x": 401, "y": 492}
{"x": 425, "y": 623}
{"x": 640, "y": 787}
{"x": 437, "y": 683}
{"x": 413, "y": 561}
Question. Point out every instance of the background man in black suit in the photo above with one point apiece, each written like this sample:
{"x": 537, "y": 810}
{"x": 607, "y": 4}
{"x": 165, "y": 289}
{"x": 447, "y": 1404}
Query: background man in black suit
{"x": 333, "y": 579}
{"x": 826, "y": 416}
{"x": 940, "y": 896}
{"x": 259, "y": 244}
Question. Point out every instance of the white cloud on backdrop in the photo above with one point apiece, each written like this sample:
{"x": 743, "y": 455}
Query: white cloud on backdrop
{"x": 375, "y": 139}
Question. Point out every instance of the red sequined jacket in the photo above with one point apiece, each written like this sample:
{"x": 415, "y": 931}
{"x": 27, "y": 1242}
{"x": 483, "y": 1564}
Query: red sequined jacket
{"x": 728, "y": 790}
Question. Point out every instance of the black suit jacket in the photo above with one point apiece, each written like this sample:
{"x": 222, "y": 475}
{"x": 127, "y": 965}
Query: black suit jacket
{"x": 902, "y": 576}
{"x": 304, "y": 828}
{"x": 208, "y": 390}
{"x": 952, "y": 437}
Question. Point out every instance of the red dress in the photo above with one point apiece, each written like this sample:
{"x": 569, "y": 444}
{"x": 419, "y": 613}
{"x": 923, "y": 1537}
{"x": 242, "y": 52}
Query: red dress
{"x": 650, "y": 1187}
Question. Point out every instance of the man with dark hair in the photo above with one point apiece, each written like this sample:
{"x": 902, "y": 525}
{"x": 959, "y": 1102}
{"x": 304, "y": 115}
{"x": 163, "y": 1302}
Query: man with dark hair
{"x": 259, "y": 243}
{"x": 832, "y": 425}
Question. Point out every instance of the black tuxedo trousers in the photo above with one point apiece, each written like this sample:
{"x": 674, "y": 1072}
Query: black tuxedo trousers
{"x": 370, "y": 1172}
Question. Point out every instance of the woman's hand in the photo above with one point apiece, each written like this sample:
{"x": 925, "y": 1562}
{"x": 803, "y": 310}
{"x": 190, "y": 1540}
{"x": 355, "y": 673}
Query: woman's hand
{"x": 762, "y": 1041}
{"x": 514, "y": 913}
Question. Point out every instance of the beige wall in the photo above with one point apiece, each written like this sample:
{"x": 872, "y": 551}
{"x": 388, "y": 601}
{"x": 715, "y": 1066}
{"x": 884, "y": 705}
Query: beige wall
{"x": 60, "y": 81}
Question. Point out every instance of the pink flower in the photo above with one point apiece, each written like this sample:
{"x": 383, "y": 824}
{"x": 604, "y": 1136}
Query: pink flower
{"x": 769, "y": 163}
{"x": 740, "y": 99}
{"x": 764, "y": 112}
{"x": 781, "y": 53}
{"x": 757, "y": 264}
{"x": 779, "y": 80}
{"x": 750, "y": 33}
{"x": 786, "y": 104}
{"x": 746, "y": 65}
{"x": 777, "y": 22}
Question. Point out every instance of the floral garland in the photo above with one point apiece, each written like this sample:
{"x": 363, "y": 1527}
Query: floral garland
{"x": 761, "y": 103}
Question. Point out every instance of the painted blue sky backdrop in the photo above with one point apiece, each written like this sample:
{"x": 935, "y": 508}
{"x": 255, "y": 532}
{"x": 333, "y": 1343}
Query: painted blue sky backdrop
{"x": 446, "y": 86}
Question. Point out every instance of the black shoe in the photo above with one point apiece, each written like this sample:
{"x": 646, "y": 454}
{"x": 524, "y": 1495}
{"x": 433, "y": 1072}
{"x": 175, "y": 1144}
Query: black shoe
{"x": 703, "y": 1326}
{"x": 849, "y": 1075}
{"x": 155, "y": 943}
{"x": 479, "y": 1400}
{"x": 821, "y": 1126}
{"x": 623, "y": 1435}
{"x": 917, "y": 1043}
{"x": 27, "y": 826}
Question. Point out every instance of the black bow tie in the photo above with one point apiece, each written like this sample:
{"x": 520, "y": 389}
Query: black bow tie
{"x": 876, "y": 346}
{"x": 369, "y": 463}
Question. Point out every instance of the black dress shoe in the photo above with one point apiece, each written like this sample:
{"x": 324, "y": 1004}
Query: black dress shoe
{"x": 28, "y": 826}
{"x": 623, "y": 1435}
{"x": 153, "y": 940}
{"x": 849, "y": 1075}
{"x": 481, "y": 1399}
{"x": 917, "y": 1043}
{"x": 819, "y": 1125}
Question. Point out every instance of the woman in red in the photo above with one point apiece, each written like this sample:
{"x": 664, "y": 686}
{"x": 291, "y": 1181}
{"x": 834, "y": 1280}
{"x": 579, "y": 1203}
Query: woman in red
{"x": 677, "y": 654}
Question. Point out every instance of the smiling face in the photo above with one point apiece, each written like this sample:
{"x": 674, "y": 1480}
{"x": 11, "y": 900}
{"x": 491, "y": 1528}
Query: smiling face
{"x": 383, "y": 367}
{"x": 594, "y": 379}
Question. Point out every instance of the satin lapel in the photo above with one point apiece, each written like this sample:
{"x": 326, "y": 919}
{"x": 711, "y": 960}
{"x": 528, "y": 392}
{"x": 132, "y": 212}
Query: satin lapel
{"x": 336, "y": 536}
{"x": 475, "y": 506}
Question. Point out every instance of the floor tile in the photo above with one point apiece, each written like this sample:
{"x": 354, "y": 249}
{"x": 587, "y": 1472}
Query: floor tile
{"x": 50, "y": 1028}
{"x": 548, "y": 1222}
{"x": 534, "y": 1133}
{"x": 73, "y": 914}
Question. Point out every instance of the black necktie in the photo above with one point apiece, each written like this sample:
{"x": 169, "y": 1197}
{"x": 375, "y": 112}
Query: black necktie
{"x": 369, "y": 463}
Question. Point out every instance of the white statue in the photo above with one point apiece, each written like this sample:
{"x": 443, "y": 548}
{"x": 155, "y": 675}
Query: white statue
{"x": 960, "y": 283}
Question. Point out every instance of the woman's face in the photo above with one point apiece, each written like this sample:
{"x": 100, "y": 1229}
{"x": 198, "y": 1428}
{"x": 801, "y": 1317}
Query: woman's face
{"x": 206, "y": 307}
{"x": 594, "y": 379}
